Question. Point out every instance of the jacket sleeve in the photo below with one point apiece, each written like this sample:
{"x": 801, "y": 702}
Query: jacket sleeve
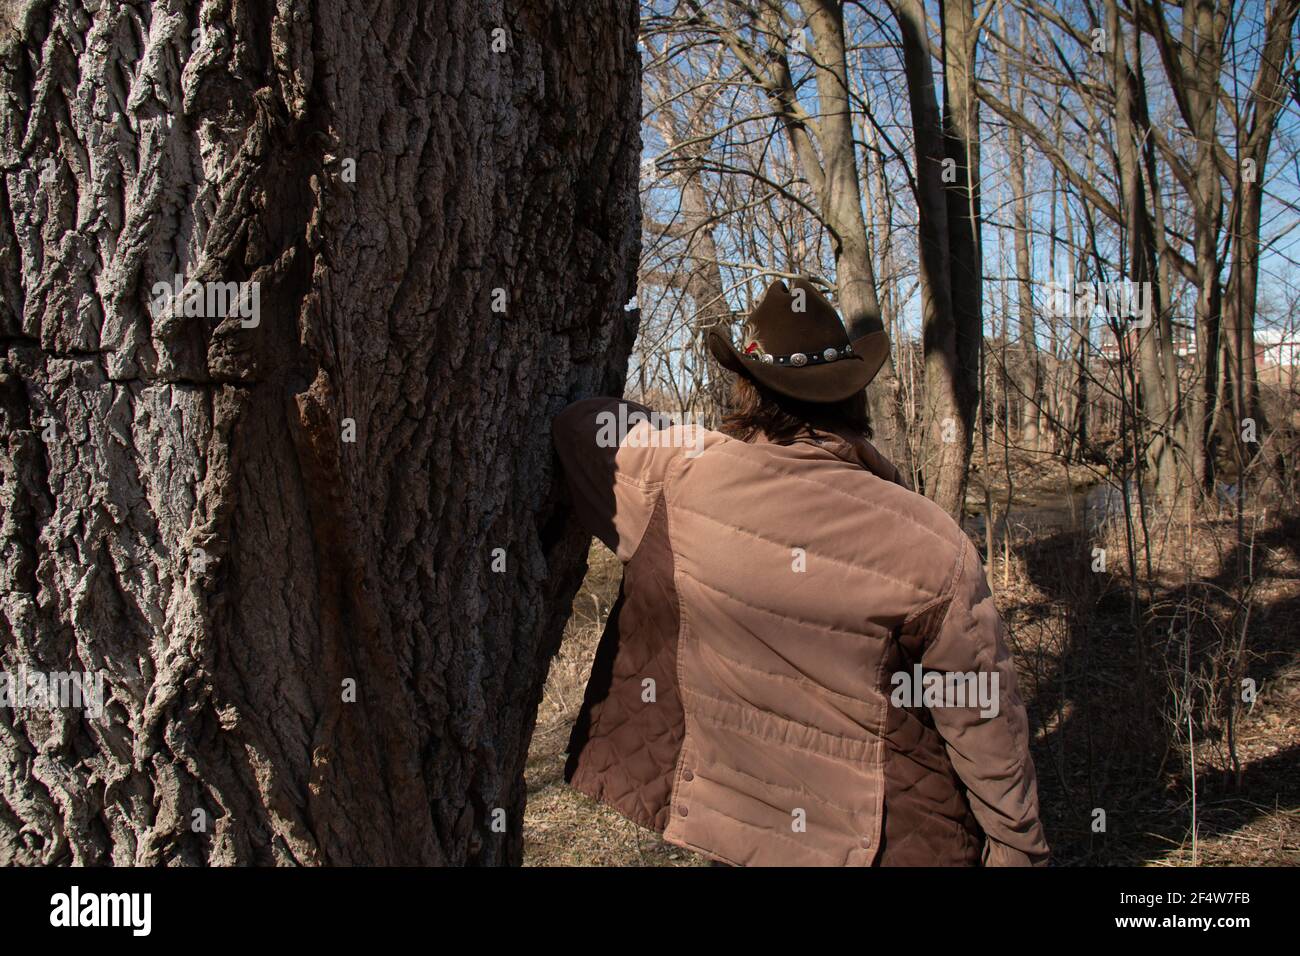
{"x": 617, "y": 456}
{"x": 989, "y": 751}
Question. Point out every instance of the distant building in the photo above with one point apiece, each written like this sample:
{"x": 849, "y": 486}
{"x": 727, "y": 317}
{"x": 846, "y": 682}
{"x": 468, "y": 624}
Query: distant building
{"x": 1109, "y": 351}
{"x": 1277, "y": 357}
{"x": 1275, "y": 347}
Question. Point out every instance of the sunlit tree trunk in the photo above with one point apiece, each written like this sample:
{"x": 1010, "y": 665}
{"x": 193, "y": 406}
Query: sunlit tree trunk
{"x": 949, "y": 402}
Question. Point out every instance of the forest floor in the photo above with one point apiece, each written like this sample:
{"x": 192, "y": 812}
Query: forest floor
{"x": 1103, "y": 739}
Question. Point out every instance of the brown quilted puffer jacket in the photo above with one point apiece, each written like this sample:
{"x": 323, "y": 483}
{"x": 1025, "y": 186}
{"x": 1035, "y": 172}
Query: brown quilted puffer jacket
{"x": 740, "y": 701}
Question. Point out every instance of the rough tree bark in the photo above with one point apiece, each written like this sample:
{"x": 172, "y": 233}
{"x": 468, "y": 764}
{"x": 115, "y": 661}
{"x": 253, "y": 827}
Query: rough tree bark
{"x": 444, "y": 236}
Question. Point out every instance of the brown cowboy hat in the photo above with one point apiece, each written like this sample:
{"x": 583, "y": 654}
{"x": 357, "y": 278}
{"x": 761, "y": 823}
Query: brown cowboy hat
{"x": 797, "y": 346}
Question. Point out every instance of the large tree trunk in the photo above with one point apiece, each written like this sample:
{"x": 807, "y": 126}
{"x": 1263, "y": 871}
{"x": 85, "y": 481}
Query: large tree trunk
{"x": 278, "y": 541}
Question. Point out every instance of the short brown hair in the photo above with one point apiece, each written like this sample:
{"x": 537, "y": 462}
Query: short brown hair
{"x": 755, "y": 411}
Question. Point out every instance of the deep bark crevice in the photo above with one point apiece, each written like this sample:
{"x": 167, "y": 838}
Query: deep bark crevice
{"x": 198, "y": 528}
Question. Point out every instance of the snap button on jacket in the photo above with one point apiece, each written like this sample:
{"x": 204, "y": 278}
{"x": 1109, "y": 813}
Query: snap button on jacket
{"x": 740, "y": 699}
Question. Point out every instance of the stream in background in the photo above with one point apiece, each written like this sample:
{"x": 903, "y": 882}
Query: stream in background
{"x": 1088, "y": 507}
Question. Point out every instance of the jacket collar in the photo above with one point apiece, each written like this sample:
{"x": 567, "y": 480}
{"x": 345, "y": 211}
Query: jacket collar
{"x": 852, "y": 447}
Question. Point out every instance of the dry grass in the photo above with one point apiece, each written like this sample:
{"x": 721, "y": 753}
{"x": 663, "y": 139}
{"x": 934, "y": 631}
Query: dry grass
{"x": 1106, "y": 738}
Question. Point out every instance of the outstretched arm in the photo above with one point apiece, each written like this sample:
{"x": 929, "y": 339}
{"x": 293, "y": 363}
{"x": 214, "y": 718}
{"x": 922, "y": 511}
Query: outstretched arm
{"x": 617, "y": 456}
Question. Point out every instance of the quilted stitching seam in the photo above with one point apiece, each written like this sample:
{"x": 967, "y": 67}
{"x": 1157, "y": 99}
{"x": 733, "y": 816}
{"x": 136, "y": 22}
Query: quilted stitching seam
{"x": 780, "y": 615}
{"x": 847, "y": 744}
{"x": 840, "y": 561}
{"x": 769, "y": 785}
{"x": 797, "y": 680}
{"x": 683, "y": 637}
